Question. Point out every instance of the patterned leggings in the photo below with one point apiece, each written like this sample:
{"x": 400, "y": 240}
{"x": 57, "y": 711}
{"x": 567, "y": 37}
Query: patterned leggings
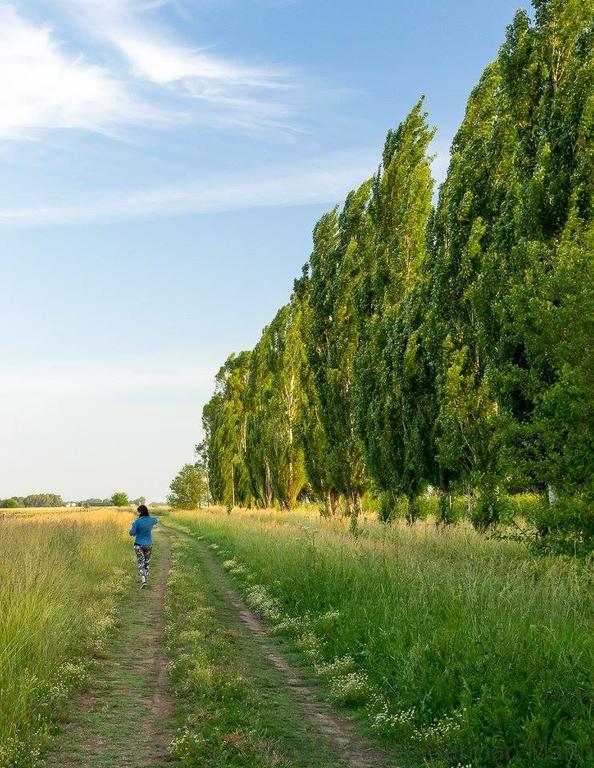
{"x": 143, "y": 558}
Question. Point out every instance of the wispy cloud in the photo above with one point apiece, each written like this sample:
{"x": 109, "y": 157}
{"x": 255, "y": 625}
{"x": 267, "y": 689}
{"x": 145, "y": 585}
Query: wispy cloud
{"x": 163, "y": 62}
{"x": 221, "y": 90}
{"x": 323, "y": 182}
{"x": 43, "y": 88}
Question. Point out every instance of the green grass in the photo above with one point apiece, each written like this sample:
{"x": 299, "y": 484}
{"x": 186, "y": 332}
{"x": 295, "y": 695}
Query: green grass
{"x": 458, "y": 648}
{"x": 57, "y": 576}
{"x": 234, "y": 709}
{"x": 114, "y": 721}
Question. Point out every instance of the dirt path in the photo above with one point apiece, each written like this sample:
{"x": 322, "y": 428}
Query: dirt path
{"x": 339, "y": 731}
{"x": 124, "y": 721}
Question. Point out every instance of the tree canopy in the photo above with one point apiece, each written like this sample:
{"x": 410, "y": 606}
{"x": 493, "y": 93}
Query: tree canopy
{"x": 443, "y": 342}
{"x": 188, "y": 488}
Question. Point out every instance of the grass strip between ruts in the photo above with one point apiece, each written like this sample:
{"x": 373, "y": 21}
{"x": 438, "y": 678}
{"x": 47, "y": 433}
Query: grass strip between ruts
{"x": 232, "y": 706}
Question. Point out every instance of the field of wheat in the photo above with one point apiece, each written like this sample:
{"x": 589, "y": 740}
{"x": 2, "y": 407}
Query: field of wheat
{"x": 60, "y": 573}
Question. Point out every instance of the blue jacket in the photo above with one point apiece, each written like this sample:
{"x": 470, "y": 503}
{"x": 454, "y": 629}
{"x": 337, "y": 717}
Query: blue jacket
{"x": 141, "y": 529}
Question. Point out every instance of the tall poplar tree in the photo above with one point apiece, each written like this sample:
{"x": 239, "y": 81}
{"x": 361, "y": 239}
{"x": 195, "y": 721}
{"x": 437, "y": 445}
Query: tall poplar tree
{"x": 335, "y": 271}
{"x": 471, "y": 203}
{"x": 391, "y": 383}
{"x": 448, "y": 346}
{"x": 225, "y": 424}
{"x": 545, "y": 304}
{"x": 275, "y": 400}
{"x": 311, "y": 430}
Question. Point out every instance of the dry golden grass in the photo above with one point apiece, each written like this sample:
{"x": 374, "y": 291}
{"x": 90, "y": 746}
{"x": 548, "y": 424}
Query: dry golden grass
{"x": 60, "y": 573}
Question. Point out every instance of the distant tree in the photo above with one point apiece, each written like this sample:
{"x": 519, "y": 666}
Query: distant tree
{"x": 140, "y": 500}
{"x": 201, "y": 451}
{"x": 43, "y": 500}
{"x": 274, "y": 403}
{"x": 120, "y": 499}
{"x": 224, "y": 421}
{"x": 188, "y": 488}
{"x": 9, "y": 504}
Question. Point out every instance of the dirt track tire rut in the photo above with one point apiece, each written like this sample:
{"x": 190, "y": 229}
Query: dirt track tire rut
{"x": 338, "y": 730}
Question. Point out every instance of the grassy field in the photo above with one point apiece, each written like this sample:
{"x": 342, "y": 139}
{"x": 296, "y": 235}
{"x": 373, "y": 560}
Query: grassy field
{"x": 60, "y": 573}
{"x": 450, "y": 648}
{"x": 462, "y": 650}
{"x": 233, "y": 707}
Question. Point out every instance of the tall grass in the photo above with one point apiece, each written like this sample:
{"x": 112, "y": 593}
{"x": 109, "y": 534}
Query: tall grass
{"x": 463, "y": 650}
{"x": 57, "y": 578}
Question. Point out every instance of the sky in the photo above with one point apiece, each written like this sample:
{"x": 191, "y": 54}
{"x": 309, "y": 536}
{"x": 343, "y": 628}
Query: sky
{"x": 162, "y": 165}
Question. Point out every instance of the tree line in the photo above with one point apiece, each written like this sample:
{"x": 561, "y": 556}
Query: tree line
{"x": 118, "y": 499}
{"x": 32, "y": 500}
{"x": 445, "y": 344}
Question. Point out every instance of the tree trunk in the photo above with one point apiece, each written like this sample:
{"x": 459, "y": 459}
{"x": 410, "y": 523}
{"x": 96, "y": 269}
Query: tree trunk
{"x": 347, "y": 504}
{"x": 232, "y": 485}
{"x": 469, "y": 501}
{"x": 412, "y": 509}
{"x": 334, "y": 502}
{"x": 355, "y": 508}
{"x": 268, "y": 484}
{"x": 552, "y": 494}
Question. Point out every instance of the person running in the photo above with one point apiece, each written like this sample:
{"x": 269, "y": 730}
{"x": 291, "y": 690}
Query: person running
{"x": 143, "y": 541}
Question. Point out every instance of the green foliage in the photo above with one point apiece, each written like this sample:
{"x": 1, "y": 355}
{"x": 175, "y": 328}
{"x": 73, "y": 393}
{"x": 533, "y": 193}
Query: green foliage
{"x": 312, "y": 434}
{"x": 387, "y": 510}
{"x": 544, "y": 306}
{"x": 224, "y": 419}
{"x": 120, "y": 499}
{"x": 448, "y": 512}
{"x": 491, "y": 508}
{"x": 275, "y": 402}
{"x": 448, "y": 346}
{"x": 565, "y": 528}
{"x": 33, "y": 500}
{"x": 340, "y": 244}
{"x": 456, "y": 647}
{"x": 236, "y": 710}
{"x": 393, "y": 396}
{"x": 188, "y": 488}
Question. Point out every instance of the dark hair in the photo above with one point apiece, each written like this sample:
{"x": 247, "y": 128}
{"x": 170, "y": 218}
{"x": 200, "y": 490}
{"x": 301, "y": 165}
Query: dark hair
{"x": 142, "y": 510}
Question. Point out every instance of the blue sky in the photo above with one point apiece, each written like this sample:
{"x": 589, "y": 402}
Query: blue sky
{"x": 162, "y": 165}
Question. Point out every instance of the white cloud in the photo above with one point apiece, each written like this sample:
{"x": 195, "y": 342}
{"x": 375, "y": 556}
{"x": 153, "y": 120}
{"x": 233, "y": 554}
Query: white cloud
{"x": 322, "y": 182}
{"x": 42, "y": 87}
{"x": 146, "y": 76}
{"x": 240, "y": 94}
{"x": 164, "y": 62}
